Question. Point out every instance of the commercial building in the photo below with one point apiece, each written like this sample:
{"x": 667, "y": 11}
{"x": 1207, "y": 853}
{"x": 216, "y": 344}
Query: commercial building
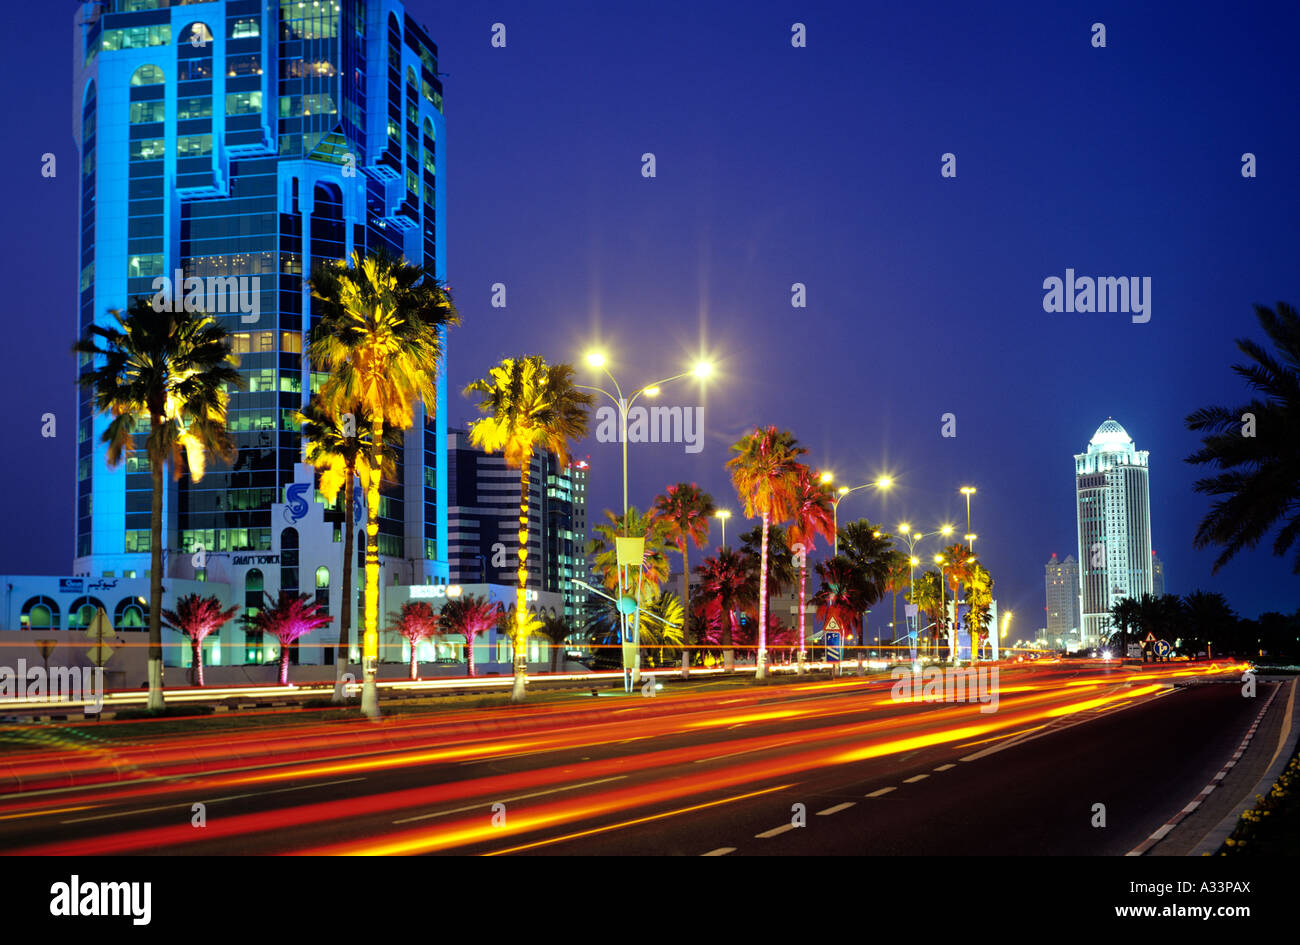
{"x": 1062, "y": 581}
{"x": 1114, "y": 521}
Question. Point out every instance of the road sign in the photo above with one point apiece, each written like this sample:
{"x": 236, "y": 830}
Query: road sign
{"x": 1163, "y": 649}
{"x": 1150, "y": 638}
{"x": 100, "y": 632}
{"x": 832, "y": 638}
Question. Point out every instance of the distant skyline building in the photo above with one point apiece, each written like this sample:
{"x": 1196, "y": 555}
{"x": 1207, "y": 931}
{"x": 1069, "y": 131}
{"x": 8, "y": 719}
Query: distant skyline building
{"x": 1062, "y": 599}
{"x": 1112, "y": 489}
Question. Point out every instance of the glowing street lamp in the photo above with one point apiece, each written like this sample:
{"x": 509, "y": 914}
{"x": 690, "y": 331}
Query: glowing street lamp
{"x": 882, "y": 483}
{"x": 722, "y": 515}
{"x": 968, "y": 491}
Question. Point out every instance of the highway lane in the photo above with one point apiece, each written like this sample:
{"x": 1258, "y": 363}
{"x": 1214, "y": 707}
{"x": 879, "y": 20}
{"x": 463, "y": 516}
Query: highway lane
{"x": 695, "y": 764}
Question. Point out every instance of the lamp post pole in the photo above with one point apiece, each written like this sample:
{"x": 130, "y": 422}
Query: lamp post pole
{"x": 884, "y": 482}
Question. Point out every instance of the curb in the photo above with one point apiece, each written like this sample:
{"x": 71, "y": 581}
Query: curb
{"x": 1211, "y": 842}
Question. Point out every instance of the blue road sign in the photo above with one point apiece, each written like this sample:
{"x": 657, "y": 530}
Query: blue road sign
{"x": 832, "y": 646}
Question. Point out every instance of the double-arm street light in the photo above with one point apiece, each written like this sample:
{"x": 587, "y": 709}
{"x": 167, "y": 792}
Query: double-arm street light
{"x": 968, "y": 491}
{"x": 913, "y": 539}
{"x": 722, "y": 515}
{"x": 883, "y": 483}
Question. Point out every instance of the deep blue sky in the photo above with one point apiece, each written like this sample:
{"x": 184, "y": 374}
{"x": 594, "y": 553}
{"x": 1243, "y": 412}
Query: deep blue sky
{"x": 819, "y": 165}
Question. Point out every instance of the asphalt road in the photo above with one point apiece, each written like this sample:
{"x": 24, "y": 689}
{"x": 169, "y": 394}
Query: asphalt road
{"x": 705, "y": 769}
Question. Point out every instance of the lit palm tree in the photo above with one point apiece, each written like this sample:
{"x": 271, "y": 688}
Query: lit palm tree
{"x": 726, "y": 584}
{"x": 844, "y": 594}
{"x": 341, "y": 452}
{"x": 288, "y": 619}
{"x": 662, "y": 622}
{"x": 654, "y": 556}
{"x": 557, "y": 631}
{"x": 416, "y": 621}
{"x": 814, "y": 515}
{"x": 164, "y": 375}
{"x": 870, "y": 551}
{"x": 380, "y": 339}
{"x": 898, "y": 578}
{"x": 979, "y": 597}
{"x": 530, "y": 405}
{"x": 197, "y": 617}
{"x": 765, "y": 472}
{"x": 1258, "y": 455}
{"x": 469, "y": 616}
{"x": 684, "y": 511}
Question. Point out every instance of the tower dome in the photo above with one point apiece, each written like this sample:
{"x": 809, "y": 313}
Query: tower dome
{"x": 1111, "y": 436}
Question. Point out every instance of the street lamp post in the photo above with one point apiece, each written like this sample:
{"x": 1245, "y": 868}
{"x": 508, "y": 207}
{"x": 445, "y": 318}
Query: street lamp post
{"x": 722, "y": 515}
{"x": 968, "y": 491}
{"x": 884, "y": 482}
{"x": 632, "y": 675}
{"x": 913, "y": 538}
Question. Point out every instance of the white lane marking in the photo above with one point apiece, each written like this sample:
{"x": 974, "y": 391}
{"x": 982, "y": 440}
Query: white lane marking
{"x": 882, "y": 791}
{"x": 720, "y": 851}
{"x": 215, "y": 800}
{"x": 774, "y": 832}
{"x": 519, "y": 797}
{"x": 944, "y": 767}
{"x": 836, "y": 809}
{"x": 915, "y": 778}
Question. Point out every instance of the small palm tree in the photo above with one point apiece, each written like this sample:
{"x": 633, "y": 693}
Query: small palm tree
{"x": 683, "y": 512}
{"x": 1208, "y": 618}
{"x": 726, "y": 586}
{"x": 1124, "y": 615}
{"x": 530, "y": 405}
{"x": 927, "y": 594}
{"x": 341, "y": 452}
{"x": 844, "y": 593}
{"x": 979, "y": 597}
{"x": 469, "y": 616}
{"x": 380, "y": 339}
{"x": 556, "y": 630}
{"x": 1256, "y": 447}
{"x": 165, "y": 375}
{"x": 765, "y": 472}
{"x": 416, "y": 621}
{"x": 898, "y": 578}
{"x": 197, "y": 617}
{"x": 288, "y": 619}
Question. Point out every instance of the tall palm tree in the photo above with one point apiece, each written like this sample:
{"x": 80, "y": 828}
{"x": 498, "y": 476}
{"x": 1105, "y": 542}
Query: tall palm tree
{"x": 469, "y": 616}
{"x": 340, "y": 451}
{"x": 169, "y": 370}
{"x": 1208, "y": 618}
{"x": 416, "y": 621}
{"x": 1124, "y": 615}
{"x": 814, "y": 515}
{"x": 288, "y": 619}
{"x": 1258, "y": 457}
{"x": 654, "y": 559}
{"x": 869, "y": 549}
{"x": 780, "y": 560}
{"x": 683, "y": 511}
{"x": 380, "y": 339}
{"x": 898, "y": 577}
{"x": 765, "y": 472}
{"x": 530, "y": 405}
{"x": 197, "y": 617}
{"x": 726, "y": 584}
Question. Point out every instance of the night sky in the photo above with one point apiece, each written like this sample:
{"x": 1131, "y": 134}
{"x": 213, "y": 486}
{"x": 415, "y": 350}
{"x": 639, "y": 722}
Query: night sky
{"x": 818, "y": 165}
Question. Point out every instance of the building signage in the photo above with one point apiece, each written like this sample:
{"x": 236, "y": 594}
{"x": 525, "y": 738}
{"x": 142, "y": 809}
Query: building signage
{"x": 72, "y": 585}
{"x": 255, "y": 559}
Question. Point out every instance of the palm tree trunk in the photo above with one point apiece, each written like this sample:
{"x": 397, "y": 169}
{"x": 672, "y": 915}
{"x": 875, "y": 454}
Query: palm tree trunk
{"x": 198, "y": 661}
{"x": 893, "y": 626}
{"x": 155, "y": 580}
{"x": 284, "y": 663}
{"x": 728, "y": 654}
{"x": 803, "y": 588}
{"x": 469, "y": 652}
{"x": 413, "y": 659}
{"x": 686, "y": 610}
{"x": 370, "y": 637}
{"x": 760, "y": 671}
{"x": 519, "y": 691}
{"x": 341, "y": 653}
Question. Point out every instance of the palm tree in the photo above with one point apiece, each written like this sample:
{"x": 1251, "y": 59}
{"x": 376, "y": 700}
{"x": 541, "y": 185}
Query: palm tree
{"x": 196, "y": 617}
{"x": 341, "y": 452}
{"x": 469, "y": 616}
{"x": 169, "y": 370}
{"x": 654, "y": 556}
{"x": 726, "y": 584}
{"x": 530, "y": 405}
{"x": 556, "y": 630}
{"x": 662, "y": 622}
{"x": 683, "y": 512}
{"x": 844, "y": 594}
{"x": 1124, "y": 615}
{"x": 416, "y": 621}
{"x": 380, "y": 339}
{"x": 1208, "y": 618}
{"x": 1258, "y": 455}
{"x": 928, "y": 595}
{"x": 814, "y": 515}
{"x": 780, "y": 560}
{"x": 979, "y": 596}
{"x": 898, "y": 578}
{"x": 291, "y": 617}
{"x": 870, "y": 551}
{"x": 765, "y": 472}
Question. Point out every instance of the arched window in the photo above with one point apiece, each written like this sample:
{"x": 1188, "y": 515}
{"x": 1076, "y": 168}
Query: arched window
{"x": 196, "y": 34}
{"x": 428, "y": 130}
{"x": 131, "y": 613}
{"x": 410, "y": 77}
{"x": 322, "y": 577}
{"x": 289, "y": 560}
{"x": 82, "y": 612}
{"x": 147, "y": 75}
{"x": 40, "y": 613}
